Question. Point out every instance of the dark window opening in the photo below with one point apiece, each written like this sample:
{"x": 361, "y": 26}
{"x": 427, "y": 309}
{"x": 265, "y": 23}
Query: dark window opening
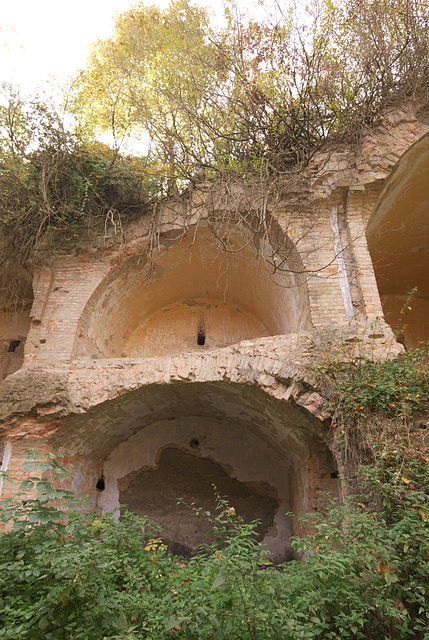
{"x": 13, "y": 345}
{"x": 100, "y": 484}
{"x": 334, "y": 474}
{"x": 201, "y": 339}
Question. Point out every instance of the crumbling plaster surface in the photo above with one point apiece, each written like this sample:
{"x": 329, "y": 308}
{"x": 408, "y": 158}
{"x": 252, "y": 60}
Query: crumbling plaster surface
{"x": 245, "y": 455}
{"x": 153, "y": 491}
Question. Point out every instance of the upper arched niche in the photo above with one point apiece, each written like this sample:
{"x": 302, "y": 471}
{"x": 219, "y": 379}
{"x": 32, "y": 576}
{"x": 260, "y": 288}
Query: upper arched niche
{"x": 204, "y": 291}
{"x": 398, "y": 240}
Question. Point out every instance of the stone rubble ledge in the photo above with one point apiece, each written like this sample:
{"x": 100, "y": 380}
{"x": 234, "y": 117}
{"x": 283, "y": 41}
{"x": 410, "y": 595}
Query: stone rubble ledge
{"x": 37, "y": 398}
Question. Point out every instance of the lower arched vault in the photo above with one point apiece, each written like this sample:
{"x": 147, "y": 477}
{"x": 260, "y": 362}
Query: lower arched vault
{"x": 272, "y": 448}
{"x": 249, "y": 419}
{"x": 398, "y": 240}
{"x": 159, "y": 429}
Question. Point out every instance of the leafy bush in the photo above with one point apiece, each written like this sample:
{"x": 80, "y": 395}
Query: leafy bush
{"x": 74, "y": 575}
{"x": 55, "y": 182}
{"x": 394, "y": 387}
{"x": 65, "y": 573}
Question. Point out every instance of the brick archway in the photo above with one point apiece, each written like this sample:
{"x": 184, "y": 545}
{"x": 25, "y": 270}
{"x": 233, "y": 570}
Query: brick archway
{"x": 195, "y": 296}
{"x": 398, "y": 240}
{"x": 233, "y": 408}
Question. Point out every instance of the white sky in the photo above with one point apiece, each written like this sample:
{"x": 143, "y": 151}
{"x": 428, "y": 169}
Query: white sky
{"x": 43, "y": 38}
{"x": 45, "y": 42}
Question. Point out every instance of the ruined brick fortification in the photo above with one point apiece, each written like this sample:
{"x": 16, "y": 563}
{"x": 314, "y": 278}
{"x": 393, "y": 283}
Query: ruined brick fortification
{"x": 166, "y": 378}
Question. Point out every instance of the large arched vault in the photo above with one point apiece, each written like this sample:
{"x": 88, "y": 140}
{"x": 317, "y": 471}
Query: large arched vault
{"x": 398, "y": 240}
{"x": 217, "y": 420}
{"x": 161, "y": 429}
{"x": 204, "y": 291}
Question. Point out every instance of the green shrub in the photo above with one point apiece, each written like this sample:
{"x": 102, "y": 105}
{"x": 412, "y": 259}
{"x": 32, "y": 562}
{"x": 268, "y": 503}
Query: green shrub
{"x": 394, "y": 388}
{"x": 67, "y": 574}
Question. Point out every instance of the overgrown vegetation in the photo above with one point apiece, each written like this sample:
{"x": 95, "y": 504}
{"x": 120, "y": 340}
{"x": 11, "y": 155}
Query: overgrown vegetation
{"x": 362, "y": 575}
{"x": 254, "y": 96}
{"x": 380, "y": 410}
{"x": 249, "y": 99}
{"x": 393, "y": 388}
{"x": 54, "y": 182}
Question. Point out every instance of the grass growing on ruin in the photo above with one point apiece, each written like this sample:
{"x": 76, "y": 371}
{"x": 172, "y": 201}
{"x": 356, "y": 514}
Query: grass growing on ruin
{"x": 69, "y": 574}
{"x": 394, "y": 388}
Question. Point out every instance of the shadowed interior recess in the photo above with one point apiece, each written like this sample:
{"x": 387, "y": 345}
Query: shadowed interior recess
{"x": 155, "y": 492}
{"x": 398, "y": 239}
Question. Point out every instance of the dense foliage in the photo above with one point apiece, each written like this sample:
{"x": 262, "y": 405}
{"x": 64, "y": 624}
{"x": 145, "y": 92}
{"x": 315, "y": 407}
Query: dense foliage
{"x": 391, "y": 388}
{"x": 246, "y": 98}
{"x": 254, "y": 96}
{"x": 74, "y": 575}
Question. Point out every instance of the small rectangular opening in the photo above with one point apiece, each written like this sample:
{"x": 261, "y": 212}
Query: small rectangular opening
{"x": 13, "y": 345}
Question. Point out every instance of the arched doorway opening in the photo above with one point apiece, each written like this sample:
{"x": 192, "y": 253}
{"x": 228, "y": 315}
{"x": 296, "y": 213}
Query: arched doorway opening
{"x": 164, "y": 442}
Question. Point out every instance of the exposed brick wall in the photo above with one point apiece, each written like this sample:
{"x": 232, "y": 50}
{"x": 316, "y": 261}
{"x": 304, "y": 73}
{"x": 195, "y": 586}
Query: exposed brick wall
{"x": 360, "y": 206}
{"x": 14, "y": 326}
{"x": 316, "y": 244}
{"x": 84, "y": 472}
{"x": 59, "y": 300}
